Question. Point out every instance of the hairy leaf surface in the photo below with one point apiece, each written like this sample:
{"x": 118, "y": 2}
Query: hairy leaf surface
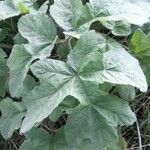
{"x": 79, "y": 77}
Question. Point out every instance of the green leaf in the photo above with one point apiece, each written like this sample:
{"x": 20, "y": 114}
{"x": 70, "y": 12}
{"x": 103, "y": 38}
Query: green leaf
{"x": 11, "y": 8}
{"x": 115, "y": 110}
{"x": 40, "y": 46}
{"x": 146, "y": 69}
{"x": 119, "y": 10}
{"x": 140, "y": 42}
{"x": 38, "y": 29}
{"x": 12, "y": 114}
{"x": 140, "y": 45}
{"x": 36, "y": 139}
{"x": 28, "y": 85}
{"x": 86, "y": 67}
{"x": 94, "y": 64}
{"x": 63, "y": 51}
{"x": 126, "y": 92}
{"x": 8, "y": 9}
{"x": 68, "y": 8}
{"x": 4, "y": 73}
{"x": 3, "y": 34}
{"x": 22, "y": 8}
{"x": 18, "y": 39}
{"x": 19, "y": 63}
{"x": 98, "y": 121}
{"x": 120, "y": 13}
{"x": 87, "y": 123}
{"x": 121, "y": 145}
{"x": 55, "y": 86}
{"x": 67, "y": 105}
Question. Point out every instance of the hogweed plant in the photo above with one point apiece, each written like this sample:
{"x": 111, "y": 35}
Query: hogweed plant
{"x": 80, "y": 60}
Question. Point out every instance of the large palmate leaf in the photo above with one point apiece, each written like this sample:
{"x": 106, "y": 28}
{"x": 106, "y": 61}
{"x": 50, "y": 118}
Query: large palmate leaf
{"x": 12, "y": 114}
{"x": 111, "y": 13}
{"x": 4, "y": 73}
{"x": 42, "y": 39}
{"x": 85, "y": 68}
{"x": 97, "y": 121}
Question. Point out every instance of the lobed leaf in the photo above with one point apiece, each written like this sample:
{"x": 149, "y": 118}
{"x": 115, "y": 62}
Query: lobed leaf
{"x": 79, "y": 77}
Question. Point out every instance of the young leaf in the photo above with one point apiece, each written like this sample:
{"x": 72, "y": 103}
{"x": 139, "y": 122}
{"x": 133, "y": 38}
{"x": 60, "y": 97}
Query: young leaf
{"x": 12, "y": 114}
{"x": 22, "y": 8}
{"x": 140, "y": 45}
